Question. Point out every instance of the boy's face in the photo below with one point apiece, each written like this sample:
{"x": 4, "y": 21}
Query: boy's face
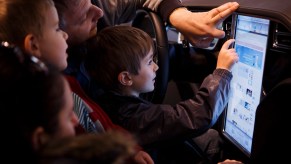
{"x": 80, "y": 21}
{"x": 52, "y": 43}
{"x": 67, "y": 118}
{"x": 145, "y": 80}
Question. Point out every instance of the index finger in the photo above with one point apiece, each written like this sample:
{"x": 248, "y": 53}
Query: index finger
{"x": 222, "y": 12}
{"x": 227, "y": 44}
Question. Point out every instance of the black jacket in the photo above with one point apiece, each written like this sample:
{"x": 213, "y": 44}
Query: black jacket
{"x": 159, "y": 122}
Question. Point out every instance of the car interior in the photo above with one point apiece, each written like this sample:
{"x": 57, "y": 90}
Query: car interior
{"x": 254, "y": 123}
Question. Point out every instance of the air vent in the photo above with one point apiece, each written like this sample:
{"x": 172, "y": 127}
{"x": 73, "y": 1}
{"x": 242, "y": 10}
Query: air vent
{"x": 282, "y": 37}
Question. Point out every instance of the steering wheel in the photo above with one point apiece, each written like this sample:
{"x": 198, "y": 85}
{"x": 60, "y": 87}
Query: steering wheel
{"x": 151, "y": 23}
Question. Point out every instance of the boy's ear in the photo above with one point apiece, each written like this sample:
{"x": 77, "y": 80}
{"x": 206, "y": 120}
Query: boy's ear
{"x": 124, "y": 78}
{"x": 38, "y": 138}
{"x": 31, "y": 45}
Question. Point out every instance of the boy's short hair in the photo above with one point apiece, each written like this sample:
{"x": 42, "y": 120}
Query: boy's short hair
{"x": 116, "y": 49}
{"x": 21, "y": 17}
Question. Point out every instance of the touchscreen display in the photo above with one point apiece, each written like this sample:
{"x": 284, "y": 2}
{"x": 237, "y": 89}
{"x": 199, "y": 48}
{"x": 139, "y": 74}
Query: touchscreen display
{"x": 251, "y": 35}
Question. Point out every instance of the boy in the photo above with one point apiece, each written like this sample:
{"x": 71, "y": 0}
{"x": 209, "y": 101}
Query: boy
{"x": 36, "y": 31}
{"x": 120, "y": 59}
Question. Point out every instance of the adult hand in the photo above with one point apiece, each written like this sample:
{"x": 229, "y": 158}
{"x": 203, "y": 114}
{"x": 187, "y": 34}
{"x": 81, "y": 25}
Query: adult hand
{"x": 200, "y": 28}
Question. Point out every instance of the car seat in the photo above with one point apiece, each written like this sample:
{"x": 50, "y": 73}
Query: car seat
{"x": 272, "y": 125}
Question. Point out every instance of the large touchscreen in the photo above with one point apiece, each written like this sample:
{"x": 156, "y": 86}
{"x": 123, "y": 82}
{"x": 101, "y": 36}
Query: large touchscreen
{"x": 251, "y": 35}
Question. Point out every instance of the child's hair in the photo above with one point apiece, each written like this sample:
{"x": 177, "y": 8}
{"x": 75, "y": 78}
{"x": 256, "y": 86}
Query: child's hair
{"x": 116, "y": 49}
{"x": 31, "y": 96}
{"x": 21, "y": 17}
{"x": 110, "y": 147}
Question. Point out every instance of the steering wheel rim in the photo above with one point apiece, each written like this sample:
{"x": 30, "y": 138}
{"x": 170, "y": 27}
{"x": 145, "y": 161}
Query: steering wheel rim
{"x": 151, "y": 23}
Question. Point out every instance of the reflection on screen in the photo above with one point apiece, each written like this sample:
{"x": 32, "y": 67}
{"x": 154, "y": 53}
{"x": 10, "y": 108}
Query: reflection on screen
{"x": 251, "y": 36}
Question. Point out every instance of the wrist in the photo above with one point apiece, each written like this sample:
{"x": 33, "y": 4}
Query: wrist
{"x": 176, "y": 14}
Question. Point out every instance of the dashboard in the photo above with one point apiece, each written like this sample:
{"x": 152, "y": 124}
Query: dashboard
{"x": 244, "y": 122}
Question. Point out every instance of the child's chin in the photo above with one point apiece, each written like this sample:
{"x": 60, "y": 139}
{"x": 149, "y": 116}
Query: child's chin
{"x": 150, "y": 90}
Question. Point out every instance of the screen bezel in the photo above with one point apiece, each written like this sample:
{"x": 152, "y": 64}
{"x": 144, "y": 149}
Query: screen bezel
{"x": 233, "y": 35}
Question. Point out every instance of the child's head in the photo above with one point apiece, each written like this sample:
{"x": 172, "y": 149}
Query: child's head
{"x": 33, "y": 25}
{"x": 79, "y": 19}
{"x": 121, "y": 58}
{"x": 36, "y": 102}
{"x": 109, "y": 147}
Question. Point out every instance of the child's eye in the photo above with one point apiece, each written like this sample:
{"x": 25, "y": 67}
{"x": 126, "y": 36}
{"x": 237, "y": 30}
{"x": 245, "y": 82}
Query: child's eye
{"x": 150, "y": 62}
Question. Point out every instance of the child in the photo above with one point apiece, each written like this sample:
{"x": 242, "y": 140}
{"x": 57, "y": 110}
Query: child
{"x": 38, "y": 33}
{"x": 33, "y": 25}
{"x": 121, "y": 61}
{"x": 36, "y": 104}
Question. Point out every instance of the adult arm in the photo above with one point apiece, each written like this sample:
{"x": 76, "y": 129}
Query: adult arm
{"x": 122, "y": 11}
{"x": 199, "y": 28}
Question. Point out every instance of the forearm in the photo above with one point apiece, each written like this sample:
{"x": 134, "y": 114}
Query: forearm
{"x": 118, "y": 11}
{"x": 163, "y": 7}
{"x": 122, "y": 11}
{"x": 166, "y": 7}
{"x": 217, "y": 88}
